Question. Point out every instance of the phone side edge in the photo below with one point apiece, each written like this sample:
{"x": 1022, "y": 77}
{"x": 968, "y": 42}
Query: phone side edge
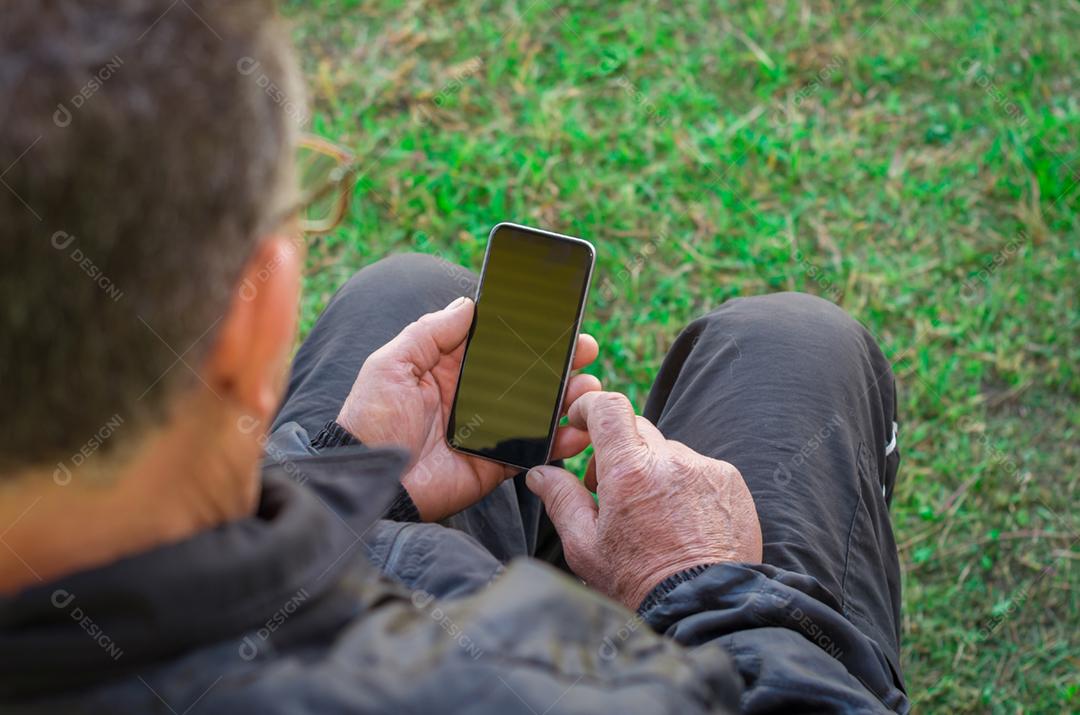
{"x": 584, "y": 300}
{"x": 468, "y": 341}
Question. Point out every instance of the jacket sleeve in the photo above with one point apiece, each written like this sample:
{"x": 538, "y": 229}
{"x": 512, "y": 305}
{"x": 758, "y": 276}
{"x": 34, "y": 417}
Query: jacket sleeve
{"x": 786, "y": 633}
{"x": 291, "y": 440}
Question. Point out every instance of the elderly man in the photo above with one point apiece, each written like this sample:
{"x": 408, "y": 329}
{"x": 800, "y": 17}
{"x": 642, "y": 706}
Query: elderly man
{"x": 185, "y": 530}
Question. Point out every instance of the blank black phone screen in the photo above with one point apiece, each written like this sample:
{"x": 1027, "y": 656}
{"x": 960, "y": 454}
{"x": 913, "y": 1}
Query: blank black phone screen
{"x": 518, "y": 354}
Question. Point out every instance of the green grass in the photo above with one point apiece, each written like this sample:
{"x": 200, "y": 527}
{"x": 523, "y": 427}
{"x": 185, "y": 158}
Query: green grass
{"x": 880, "y": 154}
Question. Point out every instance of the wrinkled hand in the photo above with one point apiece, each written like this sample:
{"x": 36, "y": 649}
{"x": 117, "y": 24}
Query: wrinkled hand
{"x": 662, "y": 506}
{"x": 403, "y": 395}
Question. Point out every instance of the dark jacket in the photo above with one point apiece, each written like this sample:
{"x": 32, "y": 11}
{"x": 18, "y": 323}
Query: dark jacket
{"x": 290, "y": 611}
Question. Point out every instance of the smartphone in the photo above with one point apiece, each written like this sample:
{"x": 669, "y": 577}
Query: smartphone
{"x": 529, "y": 305}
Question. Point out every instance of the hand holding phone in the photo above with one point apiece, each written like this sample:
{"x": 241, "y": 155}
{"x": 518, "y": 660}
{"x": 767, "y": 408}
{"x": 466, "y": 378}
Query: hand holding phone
{"x": 403, "y": 397}
{"x": 623, "y": 543}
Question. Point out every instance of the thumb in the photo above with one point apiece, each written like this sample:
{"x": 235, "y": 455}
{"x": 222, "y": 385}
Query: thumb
{"x": 569, "y": 504}
{"x": 426, "y": 340}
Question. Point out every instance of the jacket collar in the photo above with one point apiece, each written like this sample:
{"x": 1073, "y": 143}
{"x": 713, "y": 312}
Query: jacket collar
{"x": 106, "y": 622}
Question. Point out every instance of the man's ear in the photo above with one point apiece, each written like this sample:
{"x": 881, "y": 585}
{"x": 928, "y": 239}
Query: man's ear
{"x": 247, "y": 363}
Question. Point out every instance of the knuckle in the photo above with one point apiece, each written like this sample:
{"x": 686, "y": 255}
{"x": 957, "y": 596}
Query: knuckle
{"x": 608, "y": 422}
{"x": 684, "y": 461}
{"x": 615, "y": 402}
{"x": 633, "y": 460}
{"x": 725, "y": 470}
{"x": 730, "y": 469}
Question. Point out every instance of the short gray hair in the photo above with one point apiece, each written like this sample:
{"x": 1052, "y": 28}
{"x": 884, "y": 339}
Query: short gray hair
{"x": 143, "y": 145}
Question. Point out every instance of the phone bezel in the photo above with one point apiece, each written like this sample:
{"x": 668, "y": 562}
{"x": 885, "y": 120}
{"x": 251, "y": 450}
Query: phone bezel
{"x": 582, "y": 300}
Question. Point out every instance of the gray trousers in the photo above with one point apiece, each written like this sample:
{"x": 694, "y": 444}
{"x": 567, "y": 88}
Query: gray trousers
{"x": 787, "y": 387}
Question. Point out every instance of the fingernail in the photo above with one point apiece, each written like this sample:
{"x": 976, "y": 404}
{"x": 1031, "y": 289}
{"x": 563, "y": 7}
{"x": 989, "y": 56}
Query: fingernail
{"x": 456, "y": 303}
{"x": 532, "y": 479}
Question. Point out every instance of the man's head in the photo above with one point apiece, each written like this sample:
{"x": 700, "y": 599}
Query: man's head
{"x": 145, "y": 148}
